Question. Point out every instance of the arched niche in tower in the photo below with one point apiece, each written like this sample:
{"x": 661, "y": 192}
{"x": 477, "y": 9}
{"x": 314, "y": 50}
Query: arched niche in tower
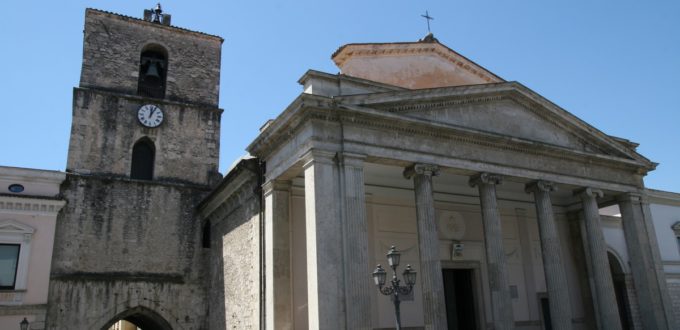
{"x": 153, "y": 70}
{"x": 143, "y": 157}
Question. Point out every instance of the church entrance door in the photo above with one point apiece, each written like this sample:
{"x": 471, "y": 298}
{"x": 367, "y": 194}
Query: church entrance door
{"x": 460, "y": 299}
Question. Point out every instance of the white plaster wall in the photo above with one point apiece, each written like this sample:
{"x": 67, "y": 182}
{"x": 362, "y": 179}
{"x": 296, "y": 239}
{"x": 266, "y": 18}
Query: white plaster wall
{"x": 612, "y": 229}
{"x": 41, "y": 256}
{"x": 664, "y": 217}
{"x": 35, "y": 182}
{"x": 412, "y": 71}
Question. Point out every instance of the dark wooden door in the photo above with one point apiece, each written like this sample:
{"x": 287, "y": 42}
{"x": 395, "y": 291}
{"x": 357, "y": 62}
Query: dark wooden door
{"x": 460, "y": 299}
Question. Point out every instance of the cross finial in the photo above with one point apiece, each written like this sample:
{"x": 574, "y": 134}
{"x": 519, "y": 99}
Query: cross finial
{"x": 428, "y": 18}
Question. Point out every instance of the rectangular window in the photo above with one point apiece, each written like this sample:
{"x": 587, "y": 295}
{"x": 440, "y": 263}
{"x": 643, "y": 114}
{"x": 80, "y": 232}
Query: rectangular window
{"x": 9, "y": 260}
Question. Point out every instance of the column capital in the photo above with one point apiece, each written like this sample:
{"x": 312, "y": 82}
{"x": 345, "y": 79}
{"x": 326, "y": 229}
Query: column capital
{"x": 317, "y": 156}
{"x": 540, "y": 185}
{"x": 588, "y": 193}
{"x": 485, "y": 178}
{"x": 422, "y": 169}
{"x": 633, "y": 197}
{"x": 272, "y": 185}
{"x": 352, "y": 159}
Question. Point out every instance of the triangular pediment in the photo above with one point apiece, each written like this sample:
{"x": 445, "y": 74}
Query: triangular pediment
{"x": 11, "y": 226}
{"x": 414, "y": 65}
{"x": 508, "y": 111}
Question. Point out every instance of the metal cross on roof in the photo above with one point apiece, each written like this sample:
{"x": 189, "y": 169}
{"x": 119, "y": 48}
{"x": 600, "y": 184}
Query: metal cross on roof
{"x": 428, "y": 18}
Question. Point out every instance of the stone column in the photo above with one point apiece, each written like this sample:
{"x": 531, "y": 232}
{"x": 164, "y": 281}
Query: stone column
{"x": 501, "y": 303}
{"x": 325, "y": 267}
{"x": 358, "y": 286}
{"x": 650, "y": 291}
{"x": 434, "y": 306}
{"x": 555, "y": 276}
{"x": 607, "y": 309}
{"x": 278, "y": 302}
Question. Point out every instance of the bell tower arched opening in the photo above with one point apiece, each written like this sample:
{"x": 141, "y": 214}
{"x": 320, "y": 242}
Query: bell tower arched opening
{"x": 153, "y": 69}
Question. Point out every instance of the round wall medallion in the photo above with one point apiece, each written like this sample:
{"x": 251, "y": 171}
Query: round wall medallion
{"x": 451, "y": 225}
{"x": 16, "y": 188}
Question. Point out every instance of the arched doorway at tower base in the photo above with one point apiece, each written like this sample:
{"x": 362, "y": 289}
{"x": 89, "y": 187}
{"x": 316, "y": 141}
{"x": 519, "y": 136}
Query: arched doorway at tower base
{"x": 142, "y": 317}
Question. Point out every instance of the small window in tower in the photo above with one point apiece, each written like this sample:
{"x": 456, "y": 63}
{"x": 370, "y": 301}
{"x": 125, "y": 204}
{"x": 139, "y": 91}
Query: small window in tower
{"x": 206, "y": 235}
{"x": 143, "y": 154}
{"x": 153, "y": 66}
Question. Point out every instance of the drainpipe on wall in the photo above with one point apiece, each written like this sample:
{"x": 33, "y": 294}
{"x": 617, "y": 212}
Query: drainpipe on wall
{"x": 258, "y": 192}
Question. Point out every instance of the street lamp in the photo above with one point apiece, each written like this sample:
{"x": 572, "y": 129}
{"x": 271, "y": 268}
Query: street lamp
{"x": 394, "y": 290}
{"x": 24, "y": 324}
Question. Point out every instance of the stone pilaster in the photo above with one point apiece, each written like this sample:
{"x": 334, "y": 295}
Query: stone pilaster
{"x": 325, "y": 267}
{"x": 650, "y": 291}
{"x": 501, "y": 304}
{"x": 607, "y": 309}
{"x": 358, "y": 285}
{"x": 555, "y": 276}
{"x": 434, "y": 306}
{"x": 278, "y": 292}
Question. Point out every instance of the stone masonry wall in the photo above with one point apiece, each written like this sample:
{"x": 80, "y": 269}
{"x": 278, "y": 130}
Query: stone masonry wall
{"x": 113, "y": 45}
{"x": 105, "y": 128}
{"x": 674, "y": 292}
{"x": 235, "y": 257}
{"x": 121, "y": 244}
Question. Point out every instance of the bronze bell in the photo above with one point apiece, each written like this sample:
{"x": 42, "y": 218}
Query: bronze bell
{"x": 152, "y": 70}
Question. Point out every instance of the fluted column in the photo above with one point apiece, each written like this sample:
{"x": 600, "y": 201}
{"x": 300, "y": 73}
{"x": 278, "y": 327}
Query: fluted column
{"x": 434, "y": 306}
{"x": 607, "y": 309}
{"x": 358, "y": 284}
{"x": 651, "y": 293}
{"x": 278, "y": 292}
{"x": 325, "y": 273}
{"x": 501, "y": 303}
{"x": 555, "y": 276}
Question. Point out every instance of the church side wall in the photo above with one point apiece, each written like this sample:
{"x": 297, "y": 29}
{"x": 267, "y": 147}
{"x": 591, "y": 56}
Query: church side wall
{"x": 234, "y": 294}
{"x": 666, "y": 213}
{"x": 143, "y": 250}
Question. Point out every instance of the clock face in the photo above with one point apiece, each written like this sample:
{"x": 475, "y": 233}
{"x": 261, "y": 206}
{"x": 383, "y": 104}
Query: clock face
{"x": 150, "y": 115}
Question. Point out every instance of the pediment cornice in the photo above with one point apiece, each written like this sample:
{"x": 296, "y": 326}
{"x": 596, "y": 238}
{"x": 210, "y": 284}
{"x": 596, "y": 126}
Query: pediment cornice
{"x": 405, "y": 102}
{"x": 386, "y": 111}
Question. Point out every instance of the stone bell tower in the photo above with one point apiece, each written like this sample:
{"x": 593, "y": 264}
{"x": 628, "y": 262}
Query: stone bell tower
{"x": 143, "y": 152}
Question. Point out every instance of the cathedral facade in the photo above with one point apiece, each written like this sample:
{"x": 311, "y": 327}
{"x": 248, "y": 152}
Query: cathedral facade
{"x": 513, "y": 213}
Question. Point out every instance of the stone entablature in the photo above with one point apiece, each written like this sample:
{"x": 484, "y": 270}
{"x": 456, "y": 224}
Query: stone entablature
{"x": 30, "y": 205}
{"x": 315, "y": 121}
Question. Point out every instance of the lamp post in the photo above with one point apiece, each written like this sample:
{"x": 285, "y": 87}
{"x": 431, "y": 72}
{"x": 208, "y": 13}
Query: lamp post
{"x": 24, "y": 324}
{"x": 394, "y": 290}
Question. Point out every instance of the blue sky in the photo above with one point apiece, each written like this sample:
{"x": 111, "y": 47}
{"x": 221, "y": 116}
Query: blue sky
{"x": 614, "y": 64}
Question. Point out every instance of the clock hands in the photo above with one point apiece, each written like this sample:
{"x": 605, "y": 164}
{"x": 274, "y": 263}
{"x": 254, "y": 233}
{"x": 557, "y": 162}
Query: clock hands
{"x": 151, "y": 112}
{"x": 150, "y": 115}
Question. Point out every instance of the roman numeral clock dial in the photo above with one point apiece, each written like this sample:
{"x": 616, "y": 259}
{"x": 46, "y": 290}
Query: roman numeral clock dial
{"x": 150, "y": 115}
